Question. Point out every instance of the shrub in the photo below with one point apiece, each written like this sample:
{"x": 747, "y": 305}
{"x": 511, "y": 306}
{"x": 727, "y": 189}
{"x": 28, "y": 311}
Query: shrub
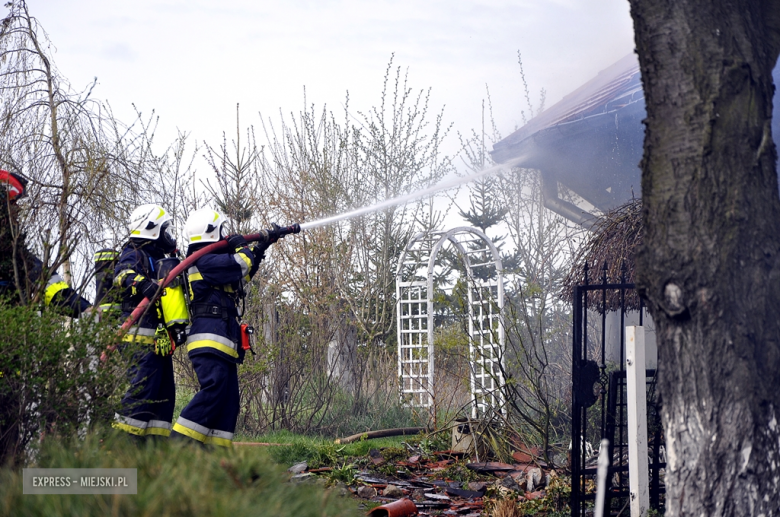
{"x": 50, "y": 382}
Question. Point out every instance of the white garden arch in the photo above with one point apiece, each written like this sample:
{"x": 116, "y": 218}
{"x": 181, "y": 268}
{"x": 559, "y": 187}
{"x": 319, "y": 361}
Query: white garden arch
{"x": 414, "y": 299}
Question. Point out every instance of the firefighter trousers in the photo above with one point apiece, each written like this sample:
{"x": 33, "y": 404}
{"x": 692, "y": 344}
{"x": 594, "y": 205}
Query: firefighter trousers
{"x": 210, "y": 417}
{"x": 147, "y": 407}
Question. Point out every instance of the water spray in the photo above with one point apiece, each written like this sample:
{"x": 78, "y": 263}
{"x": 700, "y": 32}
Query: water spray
{"x": 443, "y": 185}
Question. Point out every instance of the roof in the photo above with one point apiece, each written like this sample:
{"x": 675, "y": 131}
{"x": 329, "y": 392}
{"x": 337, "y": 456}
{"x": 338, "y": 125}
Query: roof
{"x": 590, "y": 141}
{"x": 611, "y": 89}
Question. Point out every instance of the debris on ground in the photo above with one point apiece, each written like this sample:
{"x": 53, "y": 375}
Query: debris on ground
{"x": 397, "y": 482}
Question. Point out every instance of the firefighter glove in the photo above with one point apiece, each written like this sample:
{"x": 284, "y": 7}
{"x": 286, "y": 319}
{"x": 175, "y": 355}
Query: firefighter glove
{"x": 178, "y": 333}
{"x": 260, "y": 247}
{"x": 163, "y": 345}
{"x": 148, "y": 288}
{"x": 274, "y": 233}
{"x": 236, "y": 242}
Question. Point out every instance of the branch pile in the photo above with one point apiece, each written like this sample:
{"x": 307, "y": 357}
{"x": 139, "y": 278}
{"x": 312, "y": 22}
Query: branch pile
{"x": 610, "y": 250}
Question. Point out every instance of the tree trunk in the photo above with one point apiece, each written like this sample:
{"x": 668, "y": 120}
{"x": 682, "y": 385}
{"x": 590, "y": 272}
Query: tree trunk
{"x": 709, "y": 267}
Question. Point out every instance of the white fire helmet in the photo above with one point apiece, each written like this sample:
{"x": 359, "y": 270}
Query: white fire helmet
{"x": 203, "y": 226}
{"x": 147, "y": 221}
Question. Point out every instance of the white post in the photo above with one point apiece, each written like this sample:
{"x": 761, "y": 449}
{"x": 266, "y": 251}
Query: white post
{"x": 637, "y": 421}
{"x": 601, "y": 477}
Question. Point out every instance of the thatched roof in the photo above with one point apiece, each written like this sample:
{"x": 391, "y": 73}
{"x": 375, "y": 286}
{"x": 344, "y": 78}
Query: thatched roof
{"x": 610, "y": 249}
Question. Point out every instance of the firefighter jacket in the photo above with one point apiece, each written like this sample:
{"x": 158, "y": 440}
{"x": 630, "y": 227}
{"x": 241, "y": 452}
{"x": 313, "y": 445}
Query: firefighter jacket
{"x": 14, "y": 256}
{"x": 57, "y": 294}
{"x": 217, "y": 283}
{"x": 135, "y": 269}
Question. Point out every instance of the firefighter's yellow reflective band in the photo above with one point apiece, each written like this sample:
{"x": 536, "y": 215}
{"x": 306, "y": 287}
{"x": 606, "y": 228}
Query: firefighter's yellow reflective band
{"x": 191, "y": 429}
{"x": 135, "y": 232}
{"x": 162, "y": 213}
{"x": 160, "y": 423}
{"x": 158, "y": 428}
{"x": 144, "y": 340}
{"x": 195, "y": 238}
{"x": 53, "y": 289}
{"x": 128, "y": 429}
{"x": 120, "y": 277}
{"x": 207, "y": 340}
{"x": 140, "y": 335}
{"x": 244, "y": 262}
{"x": 189, "y": 432}
{"x": 222, "y": 442}
{"x": 129, "y": 425}
{"x": 202, "y": 433}
{"x": 195, "y": 277}
{"x": 216, "y": 216}
{"x": 105, "y": 255}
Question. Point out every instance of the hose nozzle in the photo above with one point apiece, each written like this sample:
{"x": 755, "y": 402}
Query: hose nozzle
{"x": 274, "y": 234}
{"x": 280, "y": 231}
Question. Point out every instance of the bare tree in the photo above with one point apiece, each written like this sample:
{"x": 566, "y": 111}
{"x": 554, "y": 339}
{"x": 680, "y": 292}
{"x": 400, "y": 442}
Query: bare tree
{"x": 397, "y": 152}
{"x": 86, "y": 168}
{"x": 332, "y": 285}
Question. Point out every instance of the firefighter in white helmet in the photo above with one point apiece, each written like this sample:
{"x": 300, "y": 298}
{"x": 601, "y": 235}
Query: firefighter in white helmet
{"x": 147, "y": 407}
{"x": 217, "y": 283}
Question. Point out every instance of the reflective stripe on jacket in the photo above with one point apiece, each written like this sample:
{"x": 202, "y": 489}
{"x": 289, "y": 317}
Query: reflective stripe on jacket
{"x": 136, "y": 264}
{"x": 215, "y": 281}
{"x": 57, "y": 293}
{"x": 141, "y": 335}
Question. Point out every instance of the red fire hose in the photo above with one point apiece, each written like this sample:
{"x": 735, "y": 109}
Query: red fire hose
{"x": 262, "y": 236}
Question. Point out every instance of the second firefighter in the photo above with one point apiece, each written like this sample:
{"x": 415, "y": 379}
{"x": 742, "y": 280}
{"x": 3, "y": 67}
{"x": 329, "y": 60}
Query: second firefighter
{"x": 217, "y": 282}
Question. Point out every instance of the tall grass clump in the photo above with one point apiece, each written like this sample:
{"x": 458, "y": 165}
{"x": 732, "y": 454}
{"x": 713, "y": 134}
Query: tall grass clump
{"x": 174, "y": 479}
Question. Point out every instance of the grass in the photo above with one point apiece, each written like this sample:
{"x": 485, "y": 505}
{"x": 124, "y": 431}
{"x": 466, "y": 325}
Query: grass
{"x": 183, "y": 397}
{"x": 173, "y": 480}
{"x": 320, "y": 451}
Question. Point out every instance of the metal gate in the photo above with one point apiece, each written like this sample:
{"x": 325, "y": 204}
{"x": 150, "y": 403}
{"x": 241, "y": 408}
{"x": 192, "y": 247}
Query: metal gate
{"x": 599, "y": 407}
{"x": 414, "y": 298}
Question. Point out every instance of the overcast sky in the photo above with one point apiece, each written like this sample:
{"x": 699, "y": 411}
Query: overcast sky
{"x": 193, "y": 60}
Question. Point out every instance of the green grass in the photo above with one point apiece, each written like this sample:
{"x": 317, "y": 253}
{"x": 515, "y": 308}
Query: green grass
{"x": 173, "y": 480}
{"x": 183, "y": 397}
{"x": 320, "y": 451}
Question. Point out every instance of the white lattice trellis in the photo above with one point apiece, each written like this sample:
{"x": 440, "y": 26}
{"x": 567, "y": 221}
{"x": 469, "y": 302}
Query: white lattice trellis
{"x": 414, "y": 295}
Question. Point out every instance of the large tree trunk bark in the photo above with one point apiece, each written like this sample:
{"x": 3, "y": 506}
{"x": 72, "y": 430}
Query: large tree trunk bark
{"x": 710, "y": 265}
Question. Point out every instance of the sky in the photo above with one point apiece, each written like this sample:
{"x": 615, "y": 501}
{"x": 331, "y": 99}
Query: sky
{"x": 192, "y": 61}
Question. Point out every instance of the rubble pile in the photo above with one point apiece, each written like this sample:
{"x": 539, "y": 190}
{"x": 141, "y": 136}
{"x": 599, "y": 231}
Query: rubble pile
{"x": 441, "y": 483}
